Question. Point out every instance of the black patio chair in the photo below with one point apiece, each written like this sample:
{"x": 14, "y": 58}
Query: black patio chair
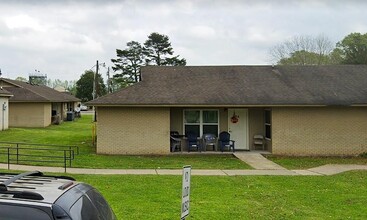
{"x": 225, "y": 141}
{"x": 193, "y": 142}
{"x": 174, "y": 134}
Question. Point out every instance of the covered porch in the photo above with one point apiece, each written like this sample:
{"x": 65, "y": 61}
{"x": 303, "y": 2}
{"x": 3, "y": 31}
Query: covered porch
{"x": 244, "y": 125}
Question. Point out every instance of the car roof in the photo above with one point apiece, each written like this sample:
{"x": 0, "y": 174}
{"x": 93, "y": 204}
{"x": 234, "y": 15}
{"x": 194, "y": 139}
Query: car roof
{"x": 34, "y": 186}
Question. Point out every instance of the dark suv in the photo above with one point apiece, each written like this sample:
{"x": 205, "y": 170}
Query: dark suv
{"x": 33, "y": 195}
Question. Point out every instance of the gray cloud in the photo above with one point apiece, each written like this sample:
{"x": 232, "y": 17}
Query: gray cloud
{"x": 64, "y": 38}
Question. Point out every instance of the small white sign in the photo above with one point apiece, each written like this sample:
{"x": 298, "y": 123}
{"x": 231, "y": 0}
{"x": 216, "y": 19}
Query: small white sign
{"x": 186, "y": 178}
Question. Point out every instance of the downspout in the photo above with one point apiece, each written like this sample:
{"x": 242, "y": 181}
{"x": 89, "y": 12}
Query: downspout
{"x": 3, "y": 116}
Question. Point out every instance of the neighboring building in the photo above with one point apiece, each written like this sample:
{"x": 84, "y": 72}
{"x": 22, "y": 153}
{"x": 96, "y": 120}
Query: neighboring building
{"x": 4, "y": 111}
{"x": 301, "y": 110}
{"x": 36, "y": 105}
{"x": 60, "y": 88}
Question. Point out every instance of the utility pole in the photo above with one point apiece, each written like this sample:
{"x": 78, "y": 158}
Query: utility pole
{"x": 94, "y": 82}
{"x": 109, "y": 89}
{"x": 95, "y": 94}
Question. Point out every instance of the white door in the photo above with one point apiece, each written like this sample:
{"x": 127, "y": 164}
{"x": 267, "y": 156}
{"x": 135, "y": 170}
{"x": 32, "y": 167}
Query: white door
{"x": 238, "y": 128}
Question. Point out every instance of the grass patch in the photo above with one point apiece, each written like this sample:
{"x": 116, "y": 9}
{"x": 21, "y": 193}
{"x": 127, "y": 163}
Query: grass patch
{"x": 310, "y": 162}
{"x": 79, "y": 133}
{"x": 163, "y": 162}
{"x": 342, "y": 196}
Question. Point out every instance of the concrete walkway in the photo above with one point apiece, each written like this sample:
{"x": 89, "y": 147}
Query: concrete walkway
{"x": 257, "y": 161}
{"x": 331, "y": 169}
{"x": 262, "y": 167}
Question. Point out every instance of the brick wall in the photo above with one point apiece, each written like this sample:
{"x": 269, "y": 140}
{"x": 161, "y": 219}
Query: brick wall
{"x": 47, "y": 114}
{"x": 29, "y": 114}
{"x": 133, "y": 130}
{"x": 319, "y": 130}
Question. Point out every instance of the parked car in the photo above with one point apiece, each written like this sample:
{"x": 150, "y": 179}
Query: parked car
{"x": 32, "y": 195}
{"x": 83, "y": 108}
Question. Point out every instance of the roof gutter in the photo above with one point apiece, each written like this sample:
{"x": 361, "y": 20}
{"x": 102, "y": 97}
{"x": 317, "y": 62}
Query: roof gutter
{"x": 6, "y": 95}
{"x": 193, "y": 105}
{"x": 38, "y": 101}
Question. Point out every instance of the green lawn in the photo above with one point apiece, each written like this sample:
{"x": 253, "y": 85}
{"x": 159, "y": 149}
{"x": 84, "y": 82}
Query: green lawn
{"x": 342, "y": 196}
{"x": 80, "y": 133}
{"x": 310, "y": 162}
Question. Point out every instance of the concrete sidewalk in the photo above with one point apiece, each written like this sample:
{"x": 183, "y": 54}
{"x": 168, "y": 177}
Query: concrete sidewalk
{"x": 195, "y": 172}
{"x": 331, "y": 169}
{"x": 322, "y": 170}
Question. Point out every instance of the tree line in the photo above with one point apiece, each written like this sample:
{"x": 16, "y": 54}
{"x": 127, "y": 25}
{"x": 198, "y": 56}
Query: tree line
{"x": 319, "y": 50}
{"x": 157, "y": 50}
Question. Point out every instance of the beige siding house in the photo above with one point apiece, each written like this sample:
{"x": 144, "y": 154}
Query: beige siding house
{"x": 299, "y": 110}
{"x": 4, "y": 111}
{"x": 36, "y": 105}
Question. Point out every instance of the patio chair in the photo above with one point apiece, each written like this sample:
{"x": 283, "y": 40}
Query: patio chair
{"x": 175, "y": 143}
{"x": 209, "y": 140}
{"x": 259, "y": 141}
{"x": 225, "y": 141}
{"x": 174, "y": 134}
{"x": 193, "y": 142}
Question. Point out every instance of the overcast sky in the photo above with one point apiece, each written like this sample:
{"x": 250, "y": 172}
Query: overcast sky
{"x": 64, "y": 38}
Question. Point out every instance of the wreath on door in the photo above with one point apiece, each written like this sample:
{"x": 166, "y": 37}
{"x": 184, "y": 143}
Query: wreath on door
{"x": 234, "y": 118}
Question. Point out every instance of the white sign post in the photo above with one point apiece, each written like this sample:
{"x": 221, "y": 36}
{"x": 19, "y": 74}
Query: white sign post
{"x": 185, "y": 204}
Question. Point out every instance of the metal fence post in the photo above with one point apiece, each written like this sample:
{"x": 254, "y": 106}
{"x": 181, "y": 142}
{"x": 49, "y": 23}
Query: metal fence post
{"x": 17, "y": 153}
{"x": 8, "y": 158}
{"x": 65, "y": 161}
{"x": 70, "y": 153}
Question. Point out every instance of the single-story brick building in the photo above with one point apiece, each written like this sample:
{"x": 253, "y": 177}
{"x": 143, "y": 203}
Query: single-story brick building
{"x": 34, "y": 105}
{"x": 301, "y": 110}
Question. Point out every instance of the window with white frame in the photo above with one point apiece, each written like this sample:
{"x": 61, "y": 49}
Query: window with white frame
{"x": 267, "y": 113}
{"x": 201, "y": 122}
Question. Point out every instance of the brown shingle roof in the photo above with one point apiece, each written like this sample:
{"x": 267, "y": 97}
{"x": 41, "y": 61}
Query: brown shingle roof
{"x": 4, "y": 92}
{"x": 245, "y": 85}
{"x": 25, "y": 92}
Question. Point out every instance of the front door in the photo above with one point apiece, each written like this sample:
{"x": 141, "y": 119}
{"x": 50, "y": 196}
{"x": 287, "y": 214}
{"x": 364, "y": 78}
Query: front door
{"x": 238, "y": 128}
